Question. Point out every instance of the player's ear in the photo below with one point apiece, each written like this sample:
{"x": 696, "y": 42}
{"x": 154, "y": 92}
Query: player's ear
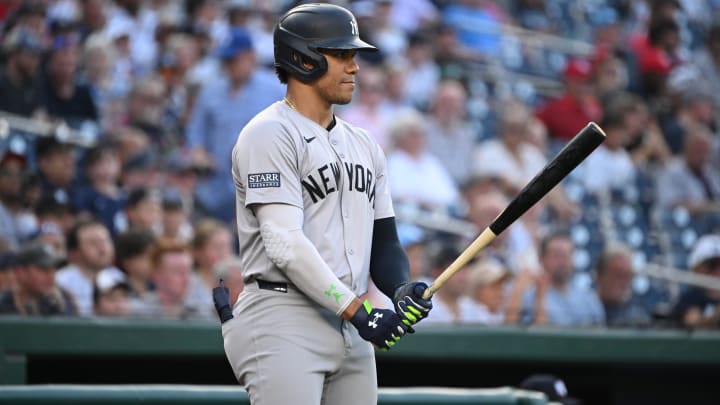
{"x": 307, "y": 64}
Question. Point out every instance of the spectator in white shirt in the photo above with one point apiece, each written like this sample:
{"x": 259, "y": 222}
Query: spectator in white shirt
{"x": 415, "y": 175}
{"x": 90, "y": 249}
{"x": 690, "y": 181}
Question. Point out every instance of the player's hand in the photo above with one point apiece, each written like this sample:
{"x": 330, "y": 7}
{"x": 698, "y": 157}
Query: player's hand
{"x": 381, "y": 327}
{"x": 221, "y": 298}
{"x": 410, "y": 304}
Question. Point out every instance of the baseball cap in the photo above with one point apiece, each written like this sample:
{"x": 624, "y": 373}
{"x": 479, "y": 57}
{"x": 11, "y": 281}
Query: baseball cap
{"x": 553, "y": 387}
{"x": 110, "y": 278}
{"x": 37, "y": 254}
{"x": 487, "y": 272}
{"x": 107, "y": 280}
{"x": 706, "y": 248}
{"x": 577, "y": 69}
{"x": 238, "y": 41}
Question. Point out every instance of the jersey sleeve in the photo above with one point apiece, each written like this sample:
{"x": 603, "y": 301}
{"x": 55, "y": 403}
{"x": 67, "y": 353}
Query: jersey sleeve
{"x": 266, "y": 165}
{"x": 383, "y": 202}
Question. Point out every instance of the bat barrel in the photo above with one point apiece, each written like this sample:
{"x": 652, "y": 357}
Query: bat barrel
{"x": 564, "y": 162}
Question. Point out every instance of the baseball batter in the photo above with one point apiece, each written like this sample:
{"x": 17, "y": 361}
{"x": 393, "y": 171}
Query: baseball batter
{"x": 315, "y": 222}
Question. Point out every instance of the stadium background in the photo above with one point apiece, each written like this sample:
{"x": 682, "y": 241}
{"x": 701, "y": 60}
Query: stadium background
{"x": 138, "y": 68}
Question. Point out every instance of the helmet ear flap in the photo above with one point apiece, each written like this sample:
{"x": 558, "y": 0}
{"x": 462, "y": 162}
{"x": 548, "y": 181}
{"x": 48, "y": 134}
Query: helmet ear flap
{"x": 305, "y": 64}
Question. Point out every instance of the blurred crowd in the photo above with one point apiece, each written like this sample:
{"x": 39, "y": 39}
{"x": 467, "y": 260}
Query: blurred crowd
{"x": 117, "y": 119}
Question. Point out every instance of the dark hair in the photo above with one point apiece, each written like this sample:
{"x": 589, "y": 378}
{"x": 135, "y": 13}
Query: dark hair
{"x": 545, "y": 241}
{"x": 132, "y": 243}
{"x": 282, "y": 74}
{"x": 49, "y": 206}
{"x": 98, "y": 153}
{"x": 73, "y": 239}
{"x": 141, "y": 194}
{"x": 616, "y": 107}
{"x": 660, "y": 28}
{"x": 47, "y": 146}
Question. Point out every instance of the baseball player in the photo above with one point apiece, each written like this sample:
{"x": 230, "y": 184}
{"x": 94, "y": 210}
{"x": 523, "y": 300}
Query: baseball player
{"x": 315, "y": 222}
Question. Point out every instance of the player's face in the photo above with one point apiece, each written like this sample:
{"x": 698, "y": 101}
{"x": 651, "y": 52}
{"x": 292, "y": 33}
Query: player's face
{"x": 336, "y": 86}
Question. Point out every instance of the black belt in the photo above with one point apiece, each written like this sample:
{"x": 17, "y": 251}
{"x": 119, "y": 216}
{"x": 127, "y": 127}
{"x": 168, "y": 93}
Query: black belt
{"x": 272, "y": 286}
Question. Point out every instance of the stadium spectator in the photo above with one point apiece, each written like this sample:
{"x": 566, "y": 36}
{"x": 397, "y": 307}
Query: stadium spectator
{"x": 90, "y": 249}
{"x": 698, "y": 307}
{"x": 450, "y": 304}
{"x": 369, "y": 110}
{"x": 527, "y": 279}
{"x": 141, "y": 170}
{"x": 702, "y": 72}
{"x": 7, "y": 266}
{"x": 110, "y": 293}
{"x": 509, "y": 157}
{"x": 12, "y": 168}
{"x": 415, "y": 242}
{"x": 511, "y": 246}
{"x": 65, "y": 97}
{"x": 657, "y": 56}
{"x": 56, "y": 165}
{"x": 183, "y": 171}
{"x": 610, "y": 166}
{"x": 565, "y": 303}
{"x": 229, "y": 270}
{"x": 422, "y": 73}
{"x": 212, "y": 243}
{"x": 92, "y": 17}
{"x": 414, "y": 175}
{"x": 132, "y": 255}
{"x": 486, "y": 286}
{"x": 101, "y": 197}
{"x": 22, "y": 92}
{"x": 146, "y": 105}
{"x": 578, "y": 105}
{"x": 690, "y": 181}
{"x": 49, "y": 211}
{"x": 175, "y": 223}
{"x": 613, "y": 282}
{"x": 172, "y": 269}
{"x": 35, "y": 290}
{"x": 695, "y": 108}
{"x": 389, "y": 38}
{"x": 143, "y": 210}
{"x": 450, "y": 137}
{"x": 222, "y": 108}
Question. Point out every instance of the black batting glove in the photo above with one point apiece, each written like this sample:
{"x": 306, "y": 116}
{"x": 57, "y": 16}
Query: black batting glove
{"x": 221, "y": 298}
{"x": 410, "y": 304}
{"x": 381, "y": 327}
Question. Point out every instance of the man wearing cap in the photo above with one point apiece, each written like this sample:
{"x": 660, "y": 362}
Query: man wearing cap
{"x": 565, "y": 116}
{"x": 222, "y": 109}
{"x": 111, "y": 293}
{"x": 35, "y": 291}
{"x": 21, "y": 91}
{"x": 57, "y": 166}
{"x": 697, "y": 307}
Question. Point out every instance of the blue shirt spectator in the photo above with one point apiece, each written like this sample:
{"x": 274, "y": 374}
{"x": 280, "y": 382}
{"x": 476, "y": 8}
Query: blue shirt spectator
{"x": 222, "y": 109}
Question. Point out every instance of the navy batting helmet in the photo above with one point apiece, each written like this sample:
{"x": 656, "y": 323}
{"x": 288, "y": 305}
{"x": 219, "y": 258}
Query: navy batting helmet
{"x": 305, "y": 30}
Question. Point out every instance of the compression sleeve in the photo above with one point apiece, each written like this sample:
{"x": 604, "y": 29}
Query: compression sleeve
{"x": 389, "y": 265}
{"x": 292, "y": 252}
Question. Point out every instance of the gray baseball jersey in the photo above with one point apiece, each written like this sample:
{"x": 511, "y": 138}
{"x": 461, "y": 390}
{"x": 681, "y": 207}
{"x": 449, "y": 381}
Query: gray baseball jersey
{"x": 337, "y": 177}
{"x": 283, "y": 338}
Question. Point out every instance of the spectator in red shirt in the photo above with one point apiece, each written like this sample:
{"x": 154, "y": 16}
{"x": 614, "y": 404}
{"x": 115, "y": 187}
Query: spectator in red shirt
{"x": 566, "y": 115}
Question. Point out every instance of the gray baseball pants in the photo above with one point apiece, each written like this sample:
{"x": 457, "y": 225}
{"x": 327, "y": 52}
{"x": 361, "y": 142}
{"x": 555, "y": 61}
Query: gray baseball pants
{"x": 286, "y": 349}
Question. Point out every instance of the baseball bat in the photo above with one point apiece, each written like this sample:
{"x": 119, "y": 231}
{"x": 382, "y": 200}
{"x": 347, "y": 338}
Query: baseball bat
{"x": 563, "y": 163}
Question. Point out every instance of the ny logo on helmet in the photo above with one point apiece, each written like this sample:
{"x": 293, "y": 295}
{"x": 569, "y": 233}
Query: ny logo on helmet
{"x": 353, "y": 27}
